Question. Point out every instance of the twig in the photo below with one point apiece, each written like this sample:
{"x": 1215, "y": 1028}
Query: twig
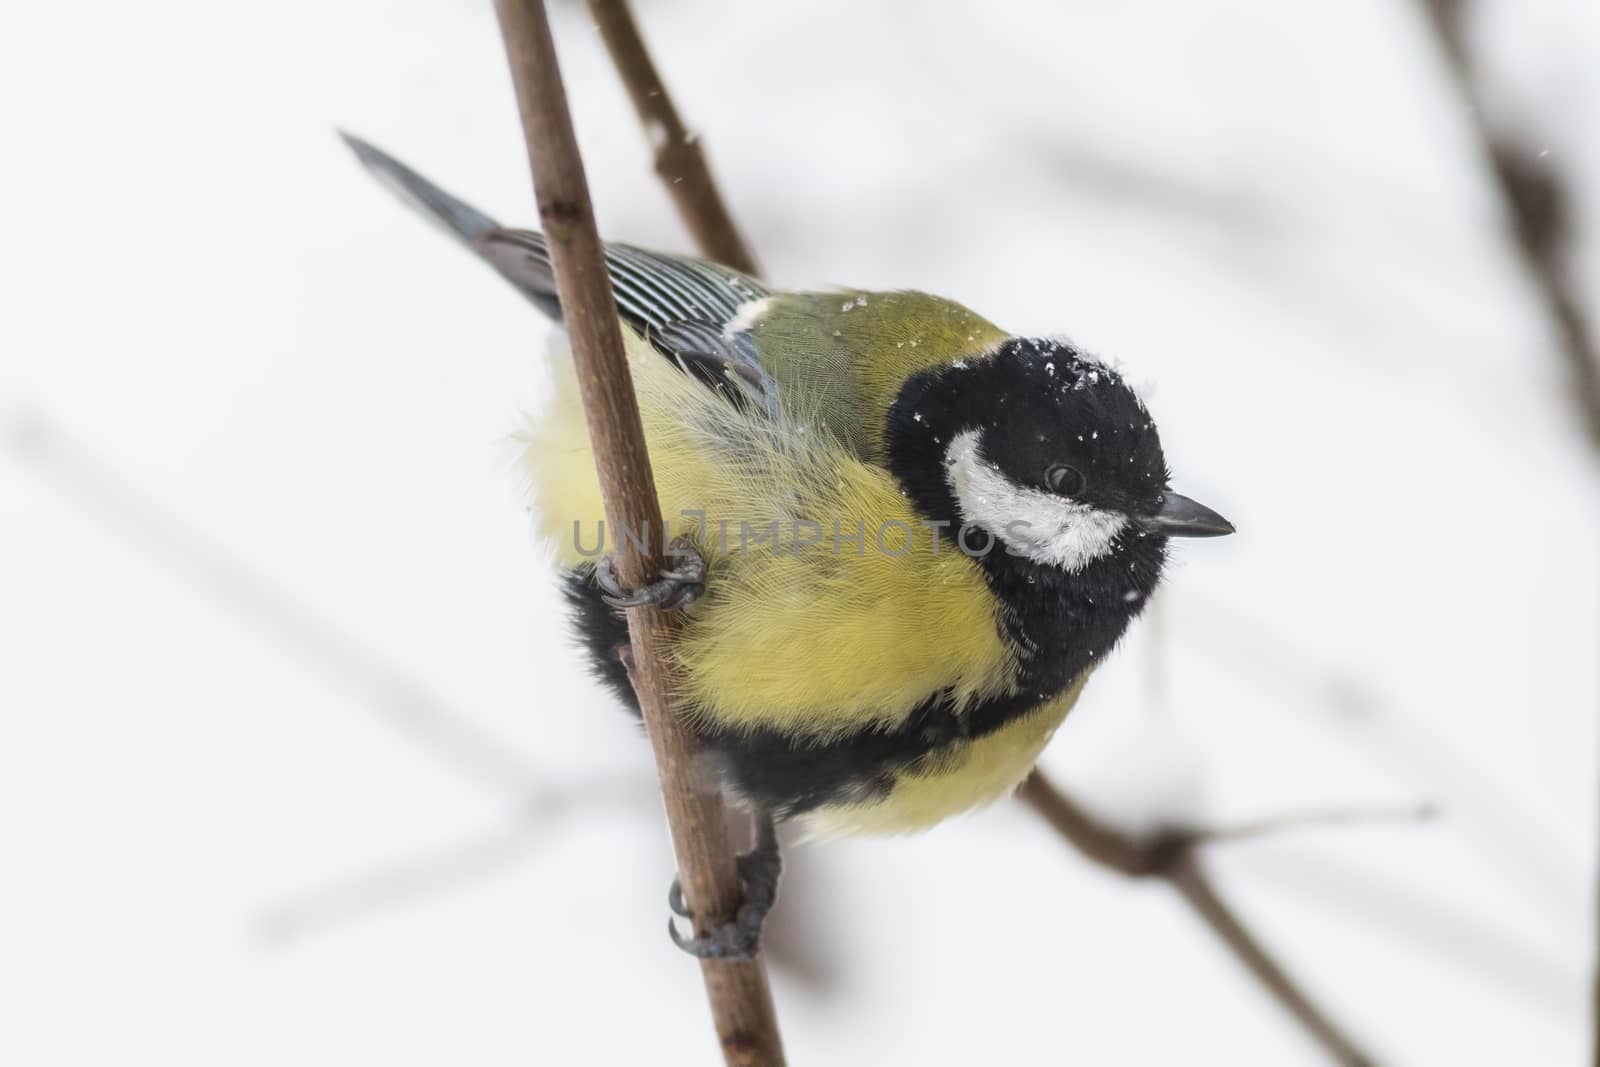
{"x": 1173, "y": 858}
{"x": 741, "y": 1001}
{"x": 1540, "y": 209}
{"x": 1300, "y": 820}
{"x": 679, "y": 156}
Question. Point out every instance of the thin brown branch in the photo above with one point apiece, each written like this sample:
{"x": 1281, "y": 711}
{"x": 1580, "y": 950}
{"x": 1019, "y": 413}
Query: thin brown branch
{"x": 1173, "y": 857}
{"x": 741, "y": 1001}
{"x": 680, "y": 157}
{"x": 1538, "y": 204}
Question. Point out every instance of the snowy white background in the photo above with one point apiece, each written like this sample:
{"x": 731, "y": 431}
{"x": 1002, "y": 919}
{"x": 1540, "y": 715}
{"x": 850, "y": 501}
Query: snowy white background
{"x": 295, "y": 766}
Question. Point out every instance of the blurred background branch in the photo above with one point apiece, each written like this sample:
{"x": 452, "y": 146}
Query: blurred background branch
{"x": 680, "y": 158}
{"x": 1538, "y": 206}
{"x": 1172, "y": 856}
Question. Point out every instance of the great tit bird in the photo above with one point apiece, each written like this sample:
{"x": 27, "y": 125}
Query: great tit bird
{"x": 908, "y": 536}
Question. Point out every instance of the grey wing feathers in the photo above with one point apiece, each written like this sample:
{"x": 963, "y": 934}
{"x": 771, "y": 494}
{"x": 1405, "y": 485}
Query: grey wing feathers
{"x": 726, "y": 363}
{"x": 652, "y": 290}
{"x": 681, "y": 306}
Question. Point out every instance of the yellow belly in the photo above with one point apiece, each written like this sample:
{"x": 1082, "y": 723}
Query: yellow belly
{"x": 978, "y": 773}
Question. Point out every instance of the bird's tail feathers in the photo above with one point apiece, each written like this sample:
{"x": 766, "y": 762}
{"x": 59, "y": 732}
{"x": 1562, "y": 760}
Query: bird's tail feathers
{"x": 529, "y": 270}
{"x": 463, "y": 221}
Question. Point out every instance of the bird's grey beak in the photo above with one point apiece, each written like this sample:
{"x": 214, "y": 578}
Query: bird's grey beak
{"x": 1181, "y": 517}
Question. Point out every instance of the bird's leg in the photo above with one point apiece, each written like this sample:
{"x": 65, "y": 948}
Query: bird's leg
{"x": 676, "y": 587}
{"x": 759, "y": 871}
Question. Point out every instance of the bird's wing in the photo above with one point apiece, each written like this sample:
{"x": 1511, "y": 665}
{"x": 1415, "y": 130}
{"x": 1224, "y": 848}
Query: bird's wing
{"x": 681, "y": 305}
{"x": 832, "y": 360}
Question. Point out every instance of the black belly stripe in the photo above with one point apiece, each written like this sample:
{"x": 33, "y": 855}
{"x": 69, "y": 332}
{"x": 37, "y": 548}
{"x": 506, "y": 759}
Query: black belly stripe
{"x": 790, "y": 775}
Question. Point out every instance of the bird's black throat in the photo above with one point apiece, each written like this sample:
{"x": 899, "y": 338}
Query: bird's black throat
{"x": 1061, "y": 624}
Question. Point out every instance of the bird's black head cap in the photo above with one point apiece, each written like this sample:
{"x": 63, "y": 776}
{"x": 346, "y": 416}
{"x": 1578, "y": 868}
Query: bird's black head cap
{"x": 1047, "y": 416}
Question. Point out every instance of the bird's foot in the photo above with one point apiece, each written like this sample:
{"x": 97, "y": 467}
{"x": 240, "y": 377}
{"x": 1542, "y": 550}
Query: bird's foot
{"x": 739, "y": 939}
{"x": 678, "y": 586}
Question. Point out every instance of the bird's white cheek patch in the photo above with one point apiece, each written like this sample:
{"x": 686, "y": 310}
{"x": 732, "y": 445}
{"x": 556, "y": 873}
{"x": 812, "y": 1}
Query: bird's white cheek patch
{"x": 1042, "y": 526}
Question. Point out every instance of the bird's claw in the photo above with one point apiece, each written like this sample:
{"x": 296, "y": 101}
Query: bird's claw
{"x": 674, "y": 588}
{"x": 675, "y": 901}
{"x": 740, "y": 939}
{"x": 726, "y": 941}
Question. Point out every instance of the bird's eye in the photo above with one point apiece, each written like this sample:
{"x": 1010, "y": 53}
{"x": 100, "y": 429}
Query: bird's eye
{"x": 1068, "y": 481}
